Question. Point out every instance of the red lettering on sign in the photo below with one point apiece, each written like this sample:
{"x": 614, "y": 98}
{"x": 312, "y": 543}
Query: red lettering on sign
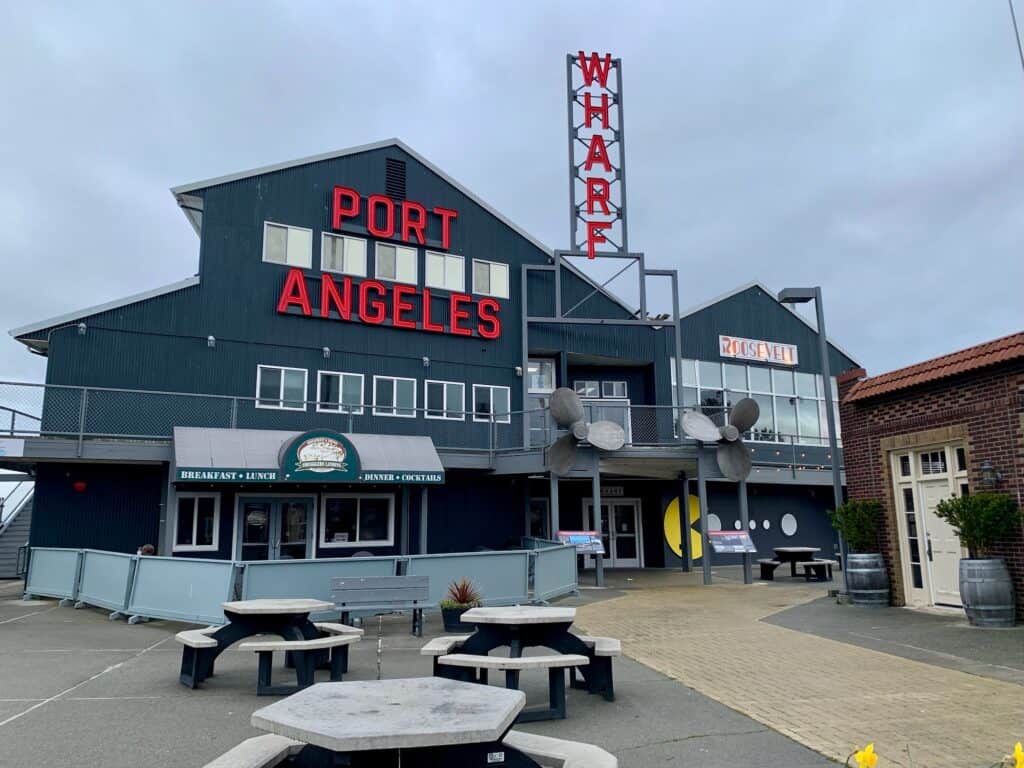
{"x": 329, "y": 296}
{"x": 595, "y": 235}
{"x": 447, "y": 216}
{"x": 294, "y": 292}
{"x": 399, "y": 305}
{"x": 591, "y": 110}
{"x": 456, "y": 314}
{"x": 374, "y": 311}
{"x": 339, "y": 209}
{"x": 410, "y": 224}
{"x": 595, "y": 66}
{"x": 372, "y": 202}
{"x": 428, "y": 324}
{"x": 489, "y": 326}
{"x": 597, "y": 154}
{"x": 598, "y": 193}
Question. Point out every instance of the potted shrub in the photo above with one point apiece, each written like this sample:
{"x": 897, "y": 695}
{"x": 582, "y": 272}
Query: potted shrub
{"x": 866, "y": 578}
{"x": 985, "y": 586}
{"x": 462, "y": 596}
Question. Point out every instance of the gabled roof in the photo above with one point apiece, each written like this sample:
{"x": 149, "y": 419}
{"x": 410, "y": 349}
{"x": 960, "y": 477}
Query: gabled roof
{"x": 25, "y": 333}
{"x": 994, "y": 352}
{"x": 773, "y": 296}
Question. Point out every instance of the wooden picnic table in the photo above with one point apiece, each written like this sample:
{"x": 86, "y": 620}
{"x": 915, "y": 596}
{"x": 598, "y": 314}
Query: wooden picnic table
{"x": 527, "y": 626}
{"x": 421, "y": 722}
{"x": 794, "y": 555}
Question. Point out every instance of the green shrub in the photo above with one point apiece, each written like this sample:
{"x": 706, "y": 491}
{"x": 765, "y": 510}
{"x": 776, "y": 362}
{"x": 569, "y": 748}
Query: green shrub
{"x": 857, "y": 521}
{"x": 980, "y": 520}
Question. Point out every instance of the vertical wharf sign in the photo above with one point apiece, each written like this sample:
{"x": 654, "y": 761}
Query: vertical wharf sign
{"x": 597, "y": 155}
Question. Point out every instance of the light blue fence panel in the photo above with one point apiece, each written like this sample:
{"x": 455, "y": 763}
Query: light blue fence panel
{"x": 53, "y": 572}
{"x": 106, "y": 579}
{"x": 501, "y": 578}
{"x": 532, "y": 542}
{"x": 309, "y": 578}
{"x": 554, "y": 572}
{"x": 182, "y": 589}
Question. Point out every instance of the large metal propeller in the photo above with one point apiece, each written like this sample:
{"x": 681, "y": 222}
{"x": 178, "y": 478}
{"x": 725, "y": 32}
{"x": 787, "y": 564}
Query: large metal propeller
{"x": 567, "y": 410}
{"x": 733, "y": 458}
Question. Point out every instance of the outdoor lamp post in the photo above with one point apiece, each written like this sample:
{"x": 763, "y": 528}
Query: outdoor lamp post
{"x": 801, "y": 296}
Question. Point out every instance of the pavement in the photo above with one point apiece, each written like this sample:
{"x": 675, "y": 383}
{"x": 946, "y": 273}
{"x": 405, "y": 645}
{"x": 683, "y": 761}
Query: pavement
{"x": 928, "y": 691}
{"x": 79, "y": 690}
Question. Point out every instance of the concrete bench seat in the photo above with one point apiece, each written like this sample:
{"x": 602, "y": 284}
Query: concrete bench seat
{"x": 559, "y": 753}
{"x": 258, "y": 752}
{"x": 466, "y": 666}
{"x": 304, "y": 655}
{"x": 602, "y": 646}
{"x": 768, "y": 567}
{"x": 821, "y": 570}
{"x": 197, "y": 638}
{"x": 194, "y": 640}
{"x": 442, "y": 646}
{"x": 333, "y": 628}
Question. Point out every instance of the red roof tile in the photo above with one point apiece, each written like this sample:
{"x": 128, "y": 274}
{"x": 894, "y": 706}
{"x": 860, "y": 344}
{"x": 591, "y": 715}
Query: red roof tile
{"x": 990, "y": 353}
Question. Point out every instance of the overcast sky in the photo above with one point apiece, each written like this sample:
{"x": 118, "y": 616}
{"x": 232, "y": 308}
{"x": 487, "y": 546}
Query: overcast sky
{"x": 874, "y": 148}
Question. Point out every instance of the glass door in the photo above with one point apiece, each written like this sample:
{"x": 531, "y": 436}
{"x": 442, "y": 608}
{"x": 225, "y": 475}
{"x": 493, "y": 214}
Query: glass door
{"x": 620, "y": 532}
{"x": 294, "y": 529}
{"x": 255, "y": 524}
{"x": 275, "y": 529}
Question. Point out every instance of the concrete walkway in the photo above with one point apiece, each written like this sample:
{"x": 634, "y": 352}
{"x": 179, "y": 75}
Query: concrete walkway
{"x": 830, "y": 696}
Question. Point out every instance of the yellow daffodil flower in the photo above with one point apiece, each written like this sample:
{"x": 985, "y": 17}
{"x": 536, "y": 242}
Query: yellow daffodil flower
{"x": 1018, "y": 756}
{"x": 866, "y": 758}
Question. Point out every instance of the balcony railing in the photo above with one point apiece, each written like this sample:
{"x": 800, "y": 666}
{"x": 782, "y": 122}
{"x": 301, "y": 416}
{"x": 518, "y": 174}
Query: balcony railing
{"x": 82, "y": 413}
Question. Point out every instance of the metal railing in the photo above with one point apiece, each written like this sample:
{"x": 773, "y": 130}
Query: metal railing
{"x": 80, "y": 413}
{"x": 13, "y": 500}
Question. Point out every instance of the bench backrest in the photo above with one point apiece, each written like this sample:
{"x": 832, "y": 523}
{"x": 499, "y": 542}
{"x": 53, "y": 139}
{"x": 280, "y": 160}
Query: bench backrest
{"x": 380, "y": 591}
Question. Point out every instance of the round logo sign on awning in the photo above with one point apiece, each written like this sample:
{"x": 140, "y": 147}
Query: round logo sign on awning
{"x": 320, "y": 455}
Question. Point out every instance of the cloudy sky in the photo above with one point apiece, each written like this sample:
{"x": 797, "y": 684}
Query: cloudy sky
{"x": 874, "y": 148}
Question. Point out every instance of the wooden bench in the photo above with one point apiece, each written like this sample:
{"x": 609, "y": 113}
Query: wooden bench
{"x": 193, "y": 639}
{"x": 555, "y": 665}
{"x": 820, "y": 569}
{"x": 442, "y": 646}
{"x": 383, "y": 594}
{"x": 768, "y": 569}
{"x": 305, "y": 656}
{"x": 271, "y": 750}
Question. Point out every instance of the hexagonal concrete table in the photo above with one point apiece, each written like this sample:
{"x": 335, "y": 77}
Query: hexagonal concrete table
{"x": 421, "y": 722}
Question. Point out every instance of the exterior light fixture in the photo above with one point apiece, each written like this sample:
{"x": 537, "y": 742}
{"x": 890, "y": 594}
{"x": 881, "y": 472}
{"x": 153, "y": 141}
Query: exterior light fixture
{"x": 426, "y": 361}
{"x": 81, "y": 329}
{"x": 211, "y": 342}
{"x": 327, "y": 352}
{"x": 990, "y": 476}
{"x": 519, "y": 371}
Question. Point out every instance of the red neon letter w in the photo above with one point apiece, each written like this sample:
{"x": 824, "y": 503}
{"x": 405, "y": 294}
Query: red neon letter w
{"x": 593, "y": 66}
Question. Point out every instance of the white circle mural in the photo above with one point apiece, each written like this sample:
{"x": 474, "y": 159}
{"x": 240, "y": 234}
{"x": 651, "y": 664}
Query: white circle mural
{"x": 766, "y": 525}
{"x": 788, "y": 524}
{"x": 753, "y": 525}
{"x": 714, "y": 522}
{"x": 737, "y": 525}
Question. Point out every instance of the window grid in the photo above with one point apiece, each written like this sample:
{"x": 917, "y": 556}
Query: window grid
{"x": 398, "y": 386}
{"x": 287, "y": 245}
{"x": 358, "y": 541}
{"x": 490, "y": 278}
{"x": 446, "y": 271}
{"x": 353, "y": 254}
{"x": 354, "y": 405}
{"x": 395, "y": 263}
{"x": 453, "y": 400}
{"x": 483, "y": 395}
{"x": 279, "y": 400}
{"x": 191, "y": 512}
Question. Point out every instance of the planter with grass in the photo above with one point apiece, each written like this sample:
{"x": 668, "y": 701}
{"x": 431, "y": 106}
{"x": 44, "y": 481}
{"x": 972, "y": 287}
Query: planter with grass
{"x": 986, "y": 588}
{"x": 462, "y": 596}
{"x": 866, "y": 577}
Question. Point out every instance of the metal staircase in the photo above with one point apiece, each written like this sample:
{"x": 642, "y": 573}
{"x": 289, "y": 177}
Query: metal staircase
{"x": 15, "y": 522}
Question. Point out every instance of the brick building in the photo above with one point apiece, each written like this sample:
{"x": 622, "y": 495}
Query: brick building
{"x": 949, "y": 426}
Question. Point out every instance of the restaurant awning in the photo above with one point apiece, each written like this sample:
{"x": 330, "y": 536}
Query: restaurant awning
{"x": 322, "y": 456}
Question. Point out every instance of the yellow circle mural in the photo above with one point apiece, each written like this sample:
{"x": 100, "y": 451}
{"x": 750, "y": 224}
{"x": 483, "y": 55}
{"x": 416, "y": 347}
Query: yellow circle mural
{"x": 672, "y": 537}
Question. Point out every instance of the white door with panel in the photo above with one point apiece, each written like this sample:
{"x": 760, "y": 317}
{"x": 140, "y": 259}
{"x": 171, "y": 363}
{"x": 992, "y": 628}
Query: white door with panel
{"x": 942, "y": 544}
{"x": 621, "y": 532}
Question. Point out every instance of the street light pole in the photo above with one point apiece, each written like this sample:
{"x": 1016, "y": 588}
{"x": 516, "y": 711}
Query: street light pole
{"x": 799, "y": 296}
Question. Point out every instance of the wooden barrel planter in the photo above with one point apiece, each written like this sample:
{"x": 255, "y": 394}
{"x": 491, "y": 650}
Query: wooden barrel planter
{"x": 867, "y": 580}
{"x": 987, "y": 593}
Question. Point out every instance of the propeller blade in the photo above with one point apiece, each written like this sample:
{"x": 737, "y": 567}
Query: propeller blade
{"x": 729, "y": 432}
{"x": 562, "y": 454}
{"x": 606, "y": 435}
{"x": 734, "y": 460}
{"x": 700, "y": 427}
{"x": 744, "y": 414}
{"x": 566, "y": 407}
{"x": 580, "y": 429}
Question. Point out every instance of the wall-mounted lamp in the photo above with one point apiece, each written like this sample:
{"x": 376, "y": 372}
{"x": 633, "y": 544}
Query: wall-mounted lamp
{"x": 990, "y": 476}
{"x": 211, "y": 342}
{"x": 519, "y": 371}
{"x": 426, "y": 361}
{"x": 81, "y": 329}
{"x": 327, "y": 352}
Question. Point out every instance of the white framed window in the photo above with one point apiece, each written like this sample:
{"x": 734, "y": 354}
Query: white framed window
{"x": 588, "y": 388}
{"x": 490, "y": 278}
{"x": 444, "y": 400}
{"x": 446, "y": 271}
{"x": 343, "y": 254}
{"x": 617, "y": 389}
{"x": 394, "y": 396}
{"x": 490, "y": 399}
{"x": 395, "y": 263}
{"x": 197, "y": 522}
{"x": 281, "y": 388}
{"x": 338, "y": 392}
{"x": 357, "y": 520}
{"x": 540, "y": 375}
{"x": 283, "y": 244}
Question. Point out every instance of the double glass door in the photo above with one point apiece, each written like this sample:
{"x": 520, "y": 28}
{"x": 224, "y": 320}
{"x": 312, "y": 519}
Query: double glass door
{"x": 278, "y": 528}
{"x": 620, "y": 531}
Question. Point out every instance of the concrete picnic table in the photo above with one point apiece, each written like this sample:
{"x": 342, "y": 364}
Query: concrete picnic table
{"x": 421, "y": 722}
{"x": 525, "y": 626}
{"x": 794, "y": 555}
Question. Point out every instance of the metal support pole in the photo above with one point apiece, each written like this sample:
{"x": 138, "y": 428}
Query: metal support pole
{"x": 830, "y": 417}
{"x": 677, "y": 332}
{"x": 595, "y": 485}
{"x": 702, "y": 495}
{"x": 748, "y": 577}
{"x": 83, "y": 404}
{"x": 423, "y": 519}
{"x": 686, "y": 561}
{"x": 234, "y": 413}
{"x": 405, "y": 520}
{"x": 553, "y": 504}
